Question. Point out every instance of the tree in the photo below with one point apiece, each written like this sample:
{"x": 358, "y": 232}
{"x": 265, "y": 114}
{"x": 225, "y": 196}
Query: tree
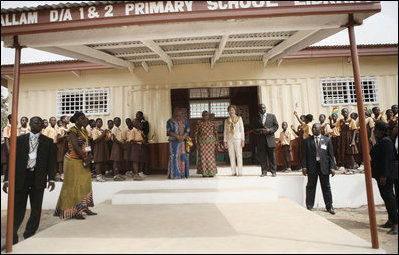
{"x": 4, "y": 111}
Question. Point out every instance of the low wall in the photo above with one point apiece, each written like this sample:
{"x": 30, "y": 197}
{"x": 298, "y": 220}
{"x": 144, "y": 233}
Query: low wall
{"x": 347, "y": 191}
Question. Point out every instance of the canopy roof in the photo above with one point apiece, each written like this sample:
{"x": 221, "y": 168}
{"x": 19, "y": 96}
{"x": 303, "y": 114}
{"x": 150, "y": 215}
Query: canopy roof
{"x": 141, "y": 34}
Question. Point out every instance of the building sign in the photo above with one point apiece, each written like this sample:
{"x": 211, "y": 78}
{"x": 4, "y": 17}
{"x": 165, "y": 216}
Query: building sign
{"x": 147, "y": 8}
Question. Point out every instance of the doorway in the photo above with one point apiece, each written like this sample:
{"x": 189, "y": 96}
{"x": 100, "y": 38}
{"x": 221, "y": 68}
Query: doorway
{"x": 216, "y": 100}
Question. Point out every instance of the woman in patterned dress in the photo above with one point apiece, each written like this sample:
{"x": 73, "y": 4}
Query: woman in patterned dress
{"x": 76, "y": 193}
{"x": 205, "y": 139}
{"x": 178, "y": 130}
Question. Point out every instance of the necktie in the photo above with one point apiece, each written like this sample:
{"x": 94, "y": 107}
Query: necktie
{"x": 32, "y": 147}
{"x": 317, "y": 149}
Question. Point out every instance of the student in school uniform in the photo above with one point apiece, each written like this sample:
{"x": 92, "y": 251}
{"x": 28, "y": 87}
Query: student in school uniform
{"x": 348, "y": 149}
{"x": 146, "y": 129}
{"x": 51, "y": 132}
{"x": 378, "y": 115}
{"x": 127, "y": 164}
{"x": 45, "y": 125}
{"x": 137, "y": 153}
{"x": 62, "y": 147}
{"x": 358, "y": 157}
{"x": 325, "y": 127}
{"x": 23, "y": 129}
{"x": 108, "y": 139}
{"x": 305, "y": 125}
{"x": 117, "y": 151}
{"x": 393, "y": 123}
{"x": 335, "y": 138}
{"x": 101, "y": 153}
{"x": 286, "y": 138}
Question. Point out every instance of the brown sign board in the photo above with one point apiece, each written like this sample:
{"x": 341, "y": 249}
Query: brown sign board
{"x": 84, "y": 16}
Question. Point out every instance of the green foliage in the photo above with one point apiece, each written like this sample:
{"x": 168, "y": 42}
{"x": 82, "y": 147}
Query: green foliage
{"x": 4, "y": 111}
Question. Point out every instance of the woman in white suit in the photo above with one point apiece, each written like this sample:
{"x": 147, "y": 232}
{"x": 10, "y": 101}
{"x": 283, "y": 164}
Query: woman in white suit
{"x": 234, "y": 139}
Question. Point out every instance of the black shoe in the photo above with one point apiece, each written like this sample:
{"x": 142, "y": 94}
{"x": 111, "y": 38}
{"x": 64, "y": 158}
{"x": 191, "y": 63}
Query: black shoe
{"x": 309, "y": 208}
{"x": 274, "y": 174}
{"x": 89, "y": 212}
{"x": 393, "y": 230}
{"x": 263, "y": 174}
{"x": 387, "y": 224}
{"x": 331, "y": 210}
{"x": 79, "y": 217}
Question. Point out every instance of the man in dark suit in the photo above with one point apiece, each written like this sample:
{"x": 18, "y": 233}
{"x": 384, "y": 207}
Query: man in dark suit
{"x": 385, "y": 172}
{"x": 318, "y": 162}
{"x": 264, "y": 126}
{"x": 34, "y": 168}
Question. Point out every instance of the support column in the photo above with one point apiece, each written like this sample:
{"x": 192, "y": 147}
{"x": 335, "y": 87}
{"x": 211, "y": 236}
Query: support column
{"x": 363, "y": 134}
{"x": 13, "y": 147}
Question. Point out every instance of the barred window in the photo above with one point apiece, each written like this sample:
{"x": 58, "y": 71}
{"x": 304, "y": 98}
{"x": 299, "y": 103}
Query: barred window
{"x": 217, "y": 107}
{"x": 210, "y": 93}
{"x": 341, "y": 91}
{"x": 91, "y": 102}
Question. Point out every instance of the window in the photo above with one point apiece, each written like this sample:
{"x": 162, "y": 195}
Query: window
{"x": 217, "y": 107}
{"x": 341, "y": 91}
{"x": 91, "y": 102}
{"x": 210, "y": 93}
{"x": 213, "y": 100}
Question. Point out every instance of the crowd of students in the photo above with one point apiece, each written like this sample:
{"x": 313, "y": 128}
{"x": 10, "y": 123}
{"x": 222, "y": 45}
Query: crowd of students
{"x": 114, "y": 153}
{"x": 344, "y": 133}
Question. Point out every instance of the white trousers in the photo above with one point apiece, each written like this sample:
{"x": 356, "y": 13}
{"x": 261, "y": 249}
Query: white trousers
{"x": 235, "y": 151}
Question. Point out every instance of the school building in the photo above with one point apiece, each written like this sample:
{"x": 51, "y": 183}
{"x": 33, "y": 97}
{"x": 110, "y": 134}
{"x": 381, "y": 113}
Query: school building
{"x": 206, "y": 55}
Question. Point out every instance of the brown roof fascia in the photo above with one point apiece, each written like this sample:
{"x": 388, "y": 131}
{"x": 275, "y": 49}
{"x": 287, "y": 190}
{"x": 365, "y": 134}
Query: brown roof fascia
{"x": 343, "y": 52}
{"x": 371, "y": 7}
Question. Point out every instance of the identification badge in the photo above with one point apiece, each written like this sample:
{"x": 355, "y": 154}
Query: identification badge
{"x": 88, "y": 149}
{"x": 323, "y": 147}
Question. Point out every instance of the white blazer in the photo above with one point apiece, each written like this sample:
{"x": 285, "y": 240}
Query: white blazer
{"x": 238, "y": 130}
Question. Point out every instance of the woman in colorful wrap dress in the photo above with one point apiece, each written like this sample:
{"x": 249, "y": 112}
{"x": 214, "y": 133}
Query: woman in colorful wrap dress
{"x": 76, "y": 194}
{"x": 178, "y": 130}
{"x": 205, "y": 140}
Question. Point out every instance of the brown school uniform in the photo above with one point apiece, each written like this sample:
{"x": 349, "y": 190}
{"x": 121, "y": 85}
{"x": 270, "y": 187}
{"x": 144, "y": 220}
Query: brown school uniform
{"x": 22, "y": 130}
{"x": 62, "y": 145}
{"x": 137, "y": 153}
{"x": 326, "y": 129}
{"x": 285, "y": 139}
{"x": 335, "y": 139}
{"x": 51, "y": 132}
{"x": 346, "y": 151}
{"x": 307, "y": 130}
{"x": 116, "y": 151}
{"x": 100, "y": 150}
{"x": 126, "y": 145}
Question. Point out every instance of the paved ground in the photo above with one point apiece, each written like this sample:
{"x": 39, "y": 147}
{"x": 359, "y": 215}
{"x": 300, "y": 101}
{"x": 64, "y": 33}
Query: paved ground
{"x": 215, "y": 228}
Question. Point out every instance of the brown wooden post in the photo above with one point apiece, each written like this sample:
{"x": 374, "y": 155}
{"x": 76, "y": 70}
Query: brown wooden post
{"x": 13, "y": 147}
{"x": 363, "y": 134}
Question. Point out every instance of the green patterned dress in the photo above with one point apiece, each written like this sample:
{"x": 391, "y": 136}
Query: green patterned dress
{"x": 206, "y": 144}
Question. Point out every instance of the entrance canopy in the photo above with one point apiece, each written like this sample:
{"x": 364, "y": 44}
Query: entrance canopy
{"x": 141, "y": 34}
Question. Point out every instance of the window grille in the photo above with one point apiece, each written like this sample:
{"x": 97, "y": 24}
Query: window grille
{"x": 341, "y": 91}
{"x": 217, "y": 107}
{"x": 91, "y": 102}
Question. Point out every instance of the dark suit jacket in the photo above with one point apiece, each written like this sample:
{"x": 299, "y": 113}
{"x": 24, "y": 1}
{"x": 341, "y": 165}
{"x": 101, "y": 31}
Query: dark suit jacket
{"x": 383, "y": 157}
{"x": 44, "y": 162}
{"x": 309, "y": 155}
{"x": 265, "y": 139}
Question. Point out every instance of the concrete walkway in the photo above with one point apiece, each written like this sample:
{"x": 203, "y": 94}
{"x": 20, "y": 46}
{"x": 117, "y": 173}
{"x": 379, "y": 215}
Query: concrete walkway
{"x": 277, "y": 227}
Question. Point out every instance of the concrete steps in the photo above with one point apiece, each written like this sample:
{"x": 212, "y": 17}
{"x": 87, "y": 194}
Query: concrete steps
{"x": 199, "y": 190}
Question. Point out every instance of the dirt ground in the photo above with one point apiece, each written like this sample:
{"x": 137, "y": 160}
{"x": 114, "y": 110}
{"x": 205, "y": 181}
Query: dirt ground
{"x": 354, "y": 220}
